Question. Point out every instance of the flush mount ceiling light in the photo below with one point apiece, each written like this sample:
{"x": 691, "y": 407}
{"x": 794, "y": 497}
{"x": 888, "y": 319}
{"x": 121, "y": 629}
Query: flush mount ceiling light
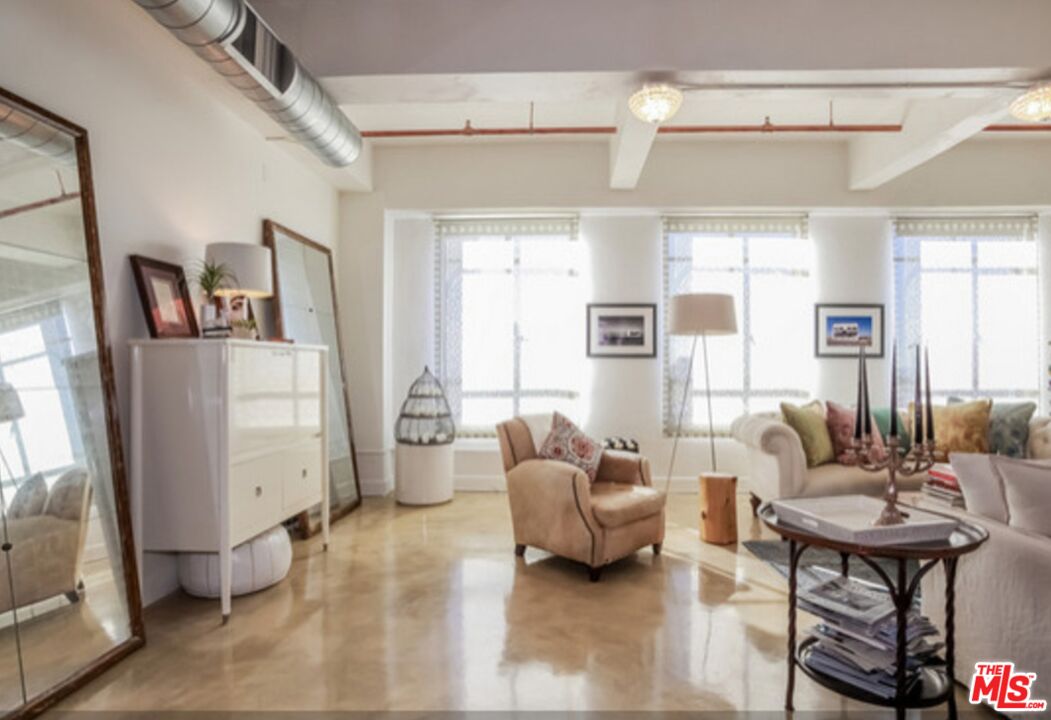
{"x": 1034, "y": 105}
{"x": 655, "y": 103}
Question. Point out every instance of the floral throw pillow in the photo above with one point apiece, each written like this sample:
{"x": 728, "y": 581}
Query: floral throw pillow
{"x": 568, "y": 443}
{"x": 840, "y": 421}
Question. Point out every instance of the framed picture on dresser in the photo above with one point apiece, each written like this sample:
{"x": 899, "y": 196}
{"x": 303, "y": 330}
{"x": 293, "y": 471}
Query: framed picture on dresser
{"x": 165, "y": 298}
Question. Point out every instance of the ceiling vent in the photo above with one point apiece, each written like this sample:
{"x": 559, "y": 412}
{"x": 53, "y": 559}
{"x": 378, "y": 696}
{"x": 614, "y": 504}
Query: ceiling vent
{"x": 231, "y": 36}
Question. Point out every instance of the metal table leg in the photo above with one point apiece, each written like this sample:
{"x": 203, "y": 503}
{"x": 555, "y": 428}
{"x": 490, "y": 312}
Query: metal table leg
{"x": 794, "y": 551}
{"x": 950, "y": 632}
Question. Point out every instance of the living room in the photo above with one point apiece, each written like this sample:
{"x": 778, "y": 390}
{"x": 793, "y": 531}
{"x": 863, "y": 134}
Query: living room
{"x": 707, "y": 237}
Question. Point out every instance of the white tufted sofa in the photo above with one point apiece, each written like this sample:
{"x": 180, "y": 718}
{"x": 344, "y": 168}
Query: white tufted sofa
{"x": 778, "y": 467}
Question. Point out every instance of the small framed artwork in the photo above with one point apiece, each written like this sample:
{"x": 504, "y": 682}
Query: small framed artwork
{"x": 165, "y": 298}
{"x": 622, "y": 331}
{"x": 841, "y": 330}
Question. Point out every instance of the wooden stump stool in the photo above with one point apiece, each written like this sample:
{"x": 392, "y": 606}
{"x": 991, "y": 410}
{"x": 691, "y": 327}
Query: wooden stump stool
{"x": 718, "y": 508}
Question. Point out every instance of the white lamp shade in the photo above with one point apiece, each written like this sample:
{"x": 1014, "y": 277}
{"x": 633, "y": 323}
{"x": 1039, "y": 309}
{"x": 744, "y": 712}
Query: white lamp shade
{"x": 251, "y": 266}
{"x": 10, "y": 405}
{"x": 702, "y": 314}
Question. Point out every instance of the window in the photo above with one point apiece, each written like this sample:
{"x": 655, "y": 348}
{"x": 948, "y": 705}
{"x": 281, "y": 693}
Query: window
{"x": 510, "y": 321}
{"x": 967, "y": 287}
{"x": 33, "y": 344}
{"x": 765, "y": 264}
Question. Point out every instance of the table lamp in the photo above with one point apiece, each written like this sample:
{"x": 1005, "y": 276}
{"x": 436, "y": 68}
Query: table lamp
{"x": 251, "y": 270}
{"x": 10, "y": 410}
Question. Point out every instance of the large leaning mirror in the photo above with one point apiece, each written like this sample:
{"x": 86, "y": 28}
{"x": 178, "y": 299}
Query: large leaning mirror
{"x": 69, "y": 595}
{"x": 305, "y": 311}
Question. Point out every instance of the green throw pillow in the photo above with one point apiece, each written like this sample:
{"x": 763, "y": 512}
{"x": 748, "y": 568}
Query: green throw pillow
{"x": 1008, "y": 427}
{"x": 882, "y": 416}
{"x": 813, "y": 433}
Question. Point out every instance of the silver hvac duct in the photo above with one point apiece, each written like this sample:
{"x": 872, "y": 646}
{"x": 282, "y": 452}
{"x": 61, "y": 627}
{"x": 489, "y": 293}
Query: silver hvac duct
{"x": 243, "y": 49}
{"x": 39, "y": 137}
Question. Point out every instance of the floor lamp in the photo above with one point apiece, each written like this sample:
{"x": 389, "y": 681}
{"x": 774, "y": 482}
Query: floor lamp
{"x": 699, "y": 315}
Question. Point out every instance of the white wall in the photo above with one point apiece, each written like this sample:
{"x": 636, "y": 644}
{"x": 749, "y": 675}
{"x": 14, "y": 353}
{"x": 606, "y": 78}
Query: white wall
{"x": 175, "y": 165}
{"x": 621, "y": 230}
{"x": 853, "y": 258}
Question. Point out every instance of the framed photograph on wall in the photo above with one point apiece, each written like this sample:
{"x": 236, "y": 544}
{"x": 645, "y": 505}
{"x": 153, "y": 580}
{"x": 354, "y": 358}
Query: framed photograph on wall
{"x": 841, "y": 330}
{"x": 165, "y": 298}
{"x": 622, "y": 331}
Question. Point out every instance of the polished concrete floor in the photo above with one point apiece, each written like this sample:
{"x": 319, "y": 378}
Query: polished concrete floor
{"x": 428, "y": 609}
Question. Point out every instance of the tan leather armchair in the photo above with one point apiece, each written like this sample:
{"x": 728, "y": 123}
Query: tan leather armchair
{"x": 555, "y": 508}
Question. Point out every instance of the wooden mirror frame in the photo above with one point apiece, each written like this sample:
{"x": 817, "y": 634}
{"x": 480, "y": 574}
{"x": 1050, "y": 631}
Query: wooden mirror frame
{"x": 269, "y": 226}
{"x": 39, "y": 703}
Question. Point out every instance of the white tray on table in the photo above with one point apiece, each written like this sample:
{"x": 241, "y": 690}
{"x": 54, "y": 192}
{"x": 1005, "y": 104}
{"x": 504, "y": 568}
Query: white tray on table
{"x": 850, "y": 518}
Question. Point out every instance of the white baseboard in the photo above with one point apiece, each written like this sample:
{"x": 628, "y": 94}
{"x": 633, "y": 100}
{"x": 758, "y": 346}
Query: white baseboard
{"x": 376, "y": 471}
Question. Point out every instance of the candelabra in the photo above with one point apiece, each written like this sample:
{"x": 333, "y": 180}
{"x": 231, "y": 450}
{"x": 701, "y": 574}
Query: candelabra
{"x": 894, "y": 461}
{"x": 920, "y": 458}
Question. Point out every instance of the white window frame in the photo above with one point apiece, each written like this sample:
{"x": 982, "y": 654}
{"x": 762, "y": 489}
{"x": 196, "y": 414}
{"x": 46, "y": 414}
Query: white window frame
{"x": 447, "y": 314}
{"x": 793, "y": 227}
{"x": 909, "y": 234}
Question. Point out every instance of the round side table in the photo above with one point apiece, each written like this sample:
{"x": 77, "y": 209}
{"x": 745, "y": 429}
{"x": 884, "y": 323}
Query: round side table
{"x": 935, "y": 686}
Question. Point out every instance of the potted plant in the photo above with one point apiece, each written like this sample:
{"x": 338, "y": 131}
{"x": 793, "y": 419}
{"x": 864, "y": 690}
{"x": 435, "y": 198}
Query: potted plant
{"x": 212, "y": 277}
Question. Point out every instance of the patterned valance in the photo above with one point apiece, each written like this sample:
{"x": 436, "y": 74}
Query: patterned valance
{"x": 795, "y": 225}
{"x": 560, "y": 225}
{"x": 1022, "y": 227}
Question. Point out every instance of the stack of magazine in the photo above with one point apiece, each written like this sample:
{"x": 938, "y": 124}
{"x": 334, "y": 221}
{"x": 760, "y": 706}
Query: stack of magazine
{"x": 856, "y": 640}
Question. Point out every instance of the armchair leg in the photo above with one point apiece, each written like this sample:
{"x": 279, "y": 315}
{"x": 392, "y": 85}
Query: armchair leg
{"x": 520, "y": 550}
{"x": 594, "y": 573}
{"x": 657, "y": 548}
{"x": 756, "y": 502}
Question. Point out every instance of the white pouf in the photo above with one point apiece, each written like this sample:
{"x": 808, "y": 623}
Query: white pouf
{"x": 423, "y": 474}
{"x": 259, "y": 563}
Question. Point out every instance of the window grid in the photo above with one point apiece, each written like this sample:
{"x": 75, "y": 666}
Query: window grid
{"x": 908, "y": 297}
{"x": 747, "y": 271}
{"x": 448, "y": 312}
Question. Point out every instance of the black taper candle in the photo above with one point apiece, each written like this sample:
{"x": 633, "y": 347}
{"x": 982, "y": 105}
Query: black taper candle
{"x": 930, "y": 405}
{"x": 894, "y": 392}
{"x": 917, "y": 410}
{"x": 859, "y": 422}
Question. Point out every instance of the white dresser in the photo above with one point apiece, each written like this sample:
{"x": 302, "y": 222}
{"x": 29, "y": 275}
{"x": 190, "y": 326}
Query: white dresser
{"x": 227, "y": 441}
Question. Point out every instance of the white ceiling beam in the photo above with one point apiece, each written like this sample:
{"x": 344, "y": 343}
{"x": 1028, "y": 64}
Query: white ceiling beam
{"x": 628, "y": 150}
{"x": 930, "y": 128}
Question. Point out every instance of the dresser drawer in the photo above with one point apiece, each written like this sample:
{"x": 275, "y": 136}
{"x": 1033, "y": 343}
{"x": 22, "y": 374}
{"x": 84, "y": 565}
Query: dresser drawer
{"x": 255, "y": 497}
{"x": 301, "y": 480}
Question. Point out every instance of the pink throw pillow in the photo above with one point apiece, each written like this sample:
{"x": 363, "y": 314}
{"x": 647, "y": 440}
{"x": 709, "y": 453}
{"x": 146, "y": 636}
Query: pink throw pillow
{"x": 840, "y": 420}
{"x": 566, "y": 442}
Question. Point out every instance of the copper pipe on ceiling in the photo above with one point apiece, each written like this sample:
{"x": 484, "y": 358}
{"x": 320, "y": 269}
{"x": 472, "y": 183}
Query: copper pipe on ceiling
{"x": 470, "y": 131}
{"x": 28, "y": 207}
{"x": 771, "y": 128}
{"x": 1037, "y": 127}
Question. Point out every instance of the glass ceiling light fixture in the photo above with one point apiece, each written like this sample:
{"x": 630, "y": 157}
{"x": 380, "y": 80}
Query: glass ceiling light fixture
{"x": 1034, "y": 105}
{"x": 655, "y": 103}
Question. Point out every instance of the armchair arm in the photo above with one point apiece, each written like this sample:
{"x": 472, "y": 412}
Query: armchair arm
{"x": 624, "y": 467}
{"x": 551, "y": 508}
{"x": 777, "y": 459}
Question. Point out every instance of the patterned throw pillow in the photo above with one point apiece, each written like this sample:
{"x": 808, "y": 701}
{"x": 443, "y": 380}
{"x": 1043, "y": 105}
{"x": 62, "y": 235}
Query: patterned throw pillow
{"x": 961, "y": 428}
{"x": 1008, "y": 427}
{"x": 29, "y": 499}
{"x": 840, "y": 421}
{"x": 67, "y": 495}
{"x": 568, "y": 443}
{"x": 813, "y": 433}
{"x": 882, "y": 418}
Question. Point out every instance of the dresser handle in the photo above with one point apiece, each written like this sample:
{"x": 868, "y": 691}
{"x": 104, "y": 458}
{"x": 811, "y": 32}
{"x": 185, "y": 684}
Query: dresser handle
{"x": 304, "y": 472}
{"x": 258, "y": 491}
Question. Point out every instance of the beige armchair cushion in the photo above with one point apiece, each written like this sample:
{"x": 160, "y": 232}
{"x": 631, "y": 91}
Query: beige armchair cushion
{"x": 615, "y": 504}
